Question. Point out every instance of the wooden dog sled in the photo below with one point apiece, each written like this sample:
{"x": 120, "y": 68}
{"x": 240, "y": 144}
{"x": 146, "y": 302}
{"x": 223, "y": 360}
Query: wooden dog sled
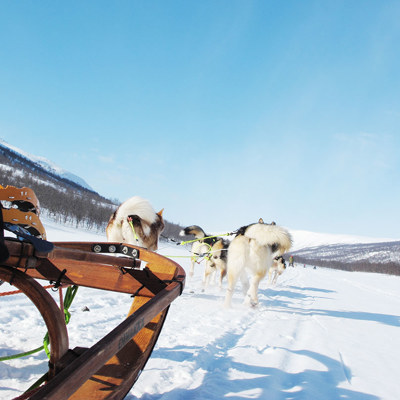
{"x": 109, "y": 368}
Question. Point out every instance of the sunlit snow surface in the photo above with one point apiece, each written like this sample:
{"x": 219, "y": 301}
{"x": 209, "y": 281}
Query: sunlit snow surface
{"x": 318, "y": 334}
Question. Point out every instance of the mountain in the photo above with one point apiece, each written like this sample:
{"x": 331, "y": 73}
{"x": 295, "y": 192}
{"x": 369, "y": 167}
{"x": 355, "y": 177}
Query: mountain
{"x": 64, "y": 197}
{"x": 44, "y": 164}
{"x": 382, "y": 257}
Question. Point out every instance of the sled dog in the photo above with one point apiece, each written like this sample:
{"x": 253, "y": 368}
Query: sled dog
{"x": 253, "y": 251}
{"x": 200, "y": 247}
{"x": 216, "y": 264}
{"x": 147, "y": 224}
{"x": 277, "y": 269}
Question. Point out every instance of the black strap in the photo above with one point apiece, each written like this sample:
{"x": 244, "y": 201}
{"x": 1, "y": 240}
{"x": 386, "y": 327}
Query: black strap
{"x": 41, "y": 246}
{"x": 148, "y": 280}
{"x": 113, "y": 248}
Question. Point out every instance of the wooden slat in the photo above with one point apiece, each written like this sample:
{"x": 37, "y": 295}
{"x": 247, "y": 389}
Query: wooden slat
{"x": 86, "y": 268}
{"x": 117, "y": 376}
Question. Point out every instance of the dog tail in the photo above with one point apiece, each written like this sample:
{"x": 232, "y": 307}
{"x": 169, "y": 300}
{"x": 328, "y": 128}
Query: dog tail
{"x": 193, "y": 230}
{"x": 270, "y": 235}
{"x": 137, "y": 206}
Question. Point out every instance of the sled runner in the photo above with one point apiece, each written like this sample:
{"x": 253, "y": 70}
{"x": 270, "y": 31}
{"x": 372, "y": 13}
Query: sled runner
{"x": 108, "y": 369}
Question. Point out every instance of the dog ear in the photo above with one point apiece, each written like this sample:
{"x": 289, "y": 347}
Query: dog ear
{"x": 135, "y": 219}
{"x": 160, "y": 212}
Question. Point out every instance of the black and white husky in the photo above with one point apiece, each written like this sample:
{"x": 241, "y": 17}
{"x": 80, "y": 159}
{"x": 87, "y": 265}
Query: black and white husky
{"x": 253, "y": 251}
{"x": 216, "y": 263}
{"x": 201, "y": 247}
{"x": 135, "y": 222}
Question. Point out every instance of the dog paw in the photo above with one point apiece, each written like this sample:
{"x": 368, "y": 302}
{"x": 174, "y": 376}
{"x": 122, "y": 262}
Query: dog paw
{"x": 248, "y": 301}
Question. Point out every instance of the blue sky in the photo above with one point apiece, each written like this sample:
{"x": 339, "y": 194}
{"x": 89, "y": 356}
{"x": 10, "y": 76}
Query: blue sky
{"x": 221, "y": 112}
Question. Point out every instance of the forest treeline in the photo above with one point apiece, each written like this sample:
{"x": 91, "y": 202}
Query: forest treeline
{"x": 388, "y": 267}
{"x": 62, "y": 200}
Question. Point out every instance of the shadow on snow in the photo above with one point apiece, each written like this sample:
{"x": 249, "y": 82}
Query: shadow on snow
{"x": 267, "y": 383}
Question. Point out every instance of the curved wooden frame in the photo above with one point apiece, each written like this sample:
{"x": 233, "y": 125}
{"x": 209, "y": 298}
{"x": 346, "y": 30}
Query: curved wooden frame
{"x": 109, "y": 368}
{"x": 51, "y": 314}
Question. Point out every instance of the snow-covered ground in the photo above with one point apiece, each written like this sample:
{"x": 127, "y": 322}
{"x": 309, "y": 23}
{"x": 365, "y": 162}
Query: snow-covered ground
{"x": 318, "y": 334}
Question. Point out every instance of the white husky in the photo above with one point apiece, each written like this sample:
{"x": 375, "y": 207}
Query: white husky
{"x": 253, "y": 250}
{"x": 135, "y": 222}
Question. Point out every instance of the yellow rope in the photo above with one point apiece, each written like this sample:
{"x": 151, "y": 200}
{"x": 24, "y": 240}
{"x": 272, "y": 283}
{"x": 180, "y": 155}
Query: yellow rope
{"x": 133, "y": 229}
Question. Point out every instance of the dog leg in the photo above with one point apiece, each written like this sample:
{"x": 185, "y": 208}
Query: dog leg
{"x": 207, "y": 272}
{"x": 214, "y": 275}
{"x": 235, "y": 265}
{"x": 192, "y": 262}
{"x": 221, "y": 277}
{"x": 245, "y": 282}
{"x": 251, "y": 298}
{"x": 270, "y": 276}
{"x": 275, "y": 277}
{"x": 228, "y": 298}
{"x": 232, "y": 280}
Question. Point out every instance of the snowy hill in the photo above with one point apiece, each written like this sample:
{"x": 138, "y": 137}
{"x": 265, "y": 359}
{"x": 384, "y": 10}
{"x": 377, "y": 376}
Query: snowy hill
{"x": 305, "y": 239}
{"x": 318, "y": 334}
{"x": 47, "y": 165}
{"x": 346, "y": 252}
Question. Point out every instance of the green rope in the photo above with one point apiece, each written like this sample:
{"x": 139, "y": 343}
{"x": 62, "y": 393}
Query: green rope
{"x": 69, "y": 297}
{"x": 46, "y": 342}
{"x": 205, "y": 237}
{"x": 27, "y": 353}
{"x": 205, "y": 256}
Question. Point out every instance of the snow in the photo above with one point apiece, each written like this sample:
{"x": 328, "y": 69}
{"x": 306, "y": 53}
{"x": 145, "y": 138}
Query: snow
{"x": 318, "y": 334}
